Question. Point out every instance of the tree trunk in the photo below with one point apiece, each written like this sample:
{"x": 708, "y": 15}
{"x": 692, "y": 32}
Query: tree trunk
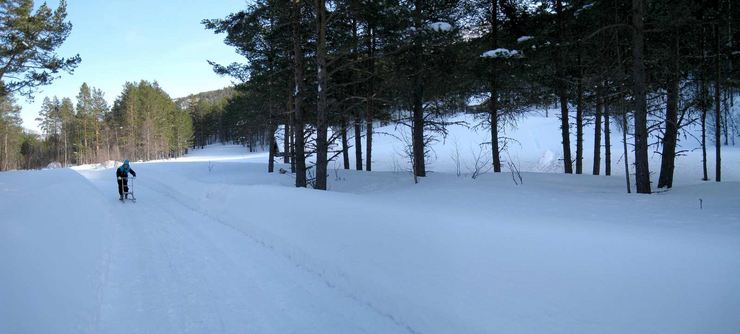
{"x": 565, "y": 133}
{"x": 369, "y": 139}
{"x": 726, "y": 117}
{"x": 642, "y": 168}
{"x": 286, "y": 143}
{"x": 703, "y": 96}
{"x": 300, "y": 156}
{"x": 729, "y": 96}
{"x": 84, "y": 138}
{"x": 370, "y": 103}
{"x": 292, "y": 143}
{"x": 562, "y": 92}
{"x": 717, "y": 107}
{"x": 417, "y": 131}
{"x": 321, "y": 126}
{"x": 417, "y": 137}
{"x": 287, "y": 139}
{"x": 369, "y": 112}
{"x": 579, "y": 117}
{"x": 625, "y": 128}
{"x": 668, "y": 157}
{"x": 272, "y": 149}
{"x": 358, "y": 140}
{"x": 356, "y": 117}
{"x": 345, "y": 145}
{"x": 97, "y": 140}
{"x": 493, "y": 100}
{"x": 597, "y": 133}
{"x": 272, "y": 125}
{"x": 132, "y": 132}
{"x": 607, "y": 142}
{"x": 66, "y": 149}
{"x": 494, "y": 138}
{"x": 5, "y": 152}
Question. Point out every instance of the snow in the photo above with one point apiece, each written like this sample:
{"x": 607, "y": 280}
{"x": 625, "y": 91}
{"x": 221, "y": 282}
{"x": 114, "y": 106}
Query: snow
{"x": 585, "y": 7}
{"x": 476, "y": 100}
{"x": 440, "y": 26}
{"x": 500, "y": 53}
{"x": 533, "y": 137}
{"x": 216, "y": 245}
{"x": 523, "y": 39}
{"x": 54, "y": 165}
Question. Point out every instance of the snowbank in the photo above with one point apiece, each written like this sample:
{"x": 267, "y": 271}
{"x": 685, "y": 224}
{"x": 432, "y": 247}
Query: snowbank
{"x": 51, "y": 252}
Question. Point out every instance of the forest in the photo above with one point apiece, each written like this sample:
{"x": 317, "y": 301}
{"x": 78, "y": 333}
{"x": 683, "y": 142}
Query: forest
{"x": 318, "y": 76}
{"x": 143, "y": 123}
{"x": 324, "y": 72}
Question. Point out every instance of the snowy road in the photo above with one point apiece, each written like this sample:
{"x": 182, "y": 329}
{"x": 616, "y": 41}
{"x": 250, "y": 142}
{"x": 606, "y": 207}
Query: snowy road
{"x": 170, "y": 268}
{"x": 216, "y": 245}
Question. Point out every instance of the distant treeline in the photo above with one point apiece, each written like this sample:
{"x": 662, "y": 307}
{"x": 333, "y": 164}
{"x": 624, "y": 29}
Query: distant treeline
{"x": 227, "y": 115}
{"x": 144, "y": 123}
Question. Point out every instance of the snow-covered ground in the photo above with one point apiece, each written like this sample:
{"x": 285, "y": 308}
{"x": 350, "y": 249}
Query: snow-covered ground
{"x": 534, "y": 145}
{"x": 216, "y": 245}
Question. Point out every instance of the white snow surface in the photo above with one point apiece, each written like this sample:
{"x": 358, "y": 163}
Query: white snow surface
{"x": 585, "y": 7}
{"x": 523, "y": 39}
{"x": 500, "y": 53}
{"x": 216, "y": 245}
{"x": 440, "y": 26}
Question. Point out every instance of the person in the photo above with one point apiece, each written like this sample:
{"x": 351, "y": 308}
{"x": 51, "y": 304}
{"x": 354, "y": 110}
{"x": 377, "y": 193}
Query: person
{"x": 122, "y": 176}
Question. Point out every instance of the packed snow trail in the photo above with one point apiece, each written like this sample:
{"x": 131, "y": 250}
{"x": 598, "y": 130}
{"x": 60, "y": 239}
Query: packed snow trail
{"x": 173, "y": 269}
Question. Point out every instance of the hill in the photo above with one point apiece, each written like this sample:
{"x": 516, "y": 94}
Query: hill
{"x": 209, "y": 96}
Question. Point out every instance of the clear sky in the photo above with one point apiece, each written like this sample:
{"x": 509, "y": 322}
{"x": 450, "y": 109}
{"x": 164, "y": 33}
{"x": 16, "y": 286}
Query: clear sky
{"x": 132, "y": 40}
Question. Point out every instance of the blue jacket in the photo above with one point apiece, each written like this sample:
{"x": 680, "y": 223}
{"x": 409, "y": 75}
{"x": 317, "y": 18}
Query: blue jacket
{"x": 123, "y": 171}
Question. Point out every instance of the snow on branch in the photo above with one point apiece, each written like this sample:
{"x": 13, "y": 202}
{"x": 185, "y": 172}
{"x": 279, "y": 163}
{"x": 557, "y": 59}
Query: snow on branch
{"x": 585, "y": 7}
{"x": 440, "y": 26}
{"x": 524, "y": 39}
{"x": 501, "y": 53}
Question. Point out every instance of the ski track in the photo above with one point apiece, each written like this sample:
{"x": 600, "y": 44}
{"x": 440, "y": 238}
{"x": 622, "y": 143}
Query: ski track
{"x": 163, "y": 269}
{"x": 169, "y": 192}
{"x": 104, "y": 272}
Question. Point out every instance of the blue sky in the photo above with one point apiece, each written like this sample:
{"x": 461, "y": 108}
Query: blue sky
{"x": 132, "y": 40}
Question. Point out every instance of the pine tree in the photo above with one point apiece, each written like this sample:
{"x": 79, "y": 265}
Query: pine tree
{"x": 85, "y": 117}
{"x": 642, "y": 170}
{"x": 28, "y": 43}
{"x": 99, "y": 112}
{"x": 66, "y": 113}
{"x": 147, "y": 124}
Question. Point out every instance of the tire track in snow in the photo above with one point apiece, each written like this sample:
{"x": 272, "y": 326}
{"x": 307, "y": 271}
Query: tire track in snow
{"x": 105, "y": 271}
{"x": 111, "y": 231}
{"x": 181, "y": 272}
{"x": 169, "y": 249}
{"x": 183, "y": 201}
{"x": 144, "y": 239}
{"x": 149, "y": 230}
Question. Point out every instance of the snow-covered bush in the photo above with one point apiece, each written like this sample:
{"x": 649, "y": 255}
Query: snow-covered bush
{"x": 440, "y": 26}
